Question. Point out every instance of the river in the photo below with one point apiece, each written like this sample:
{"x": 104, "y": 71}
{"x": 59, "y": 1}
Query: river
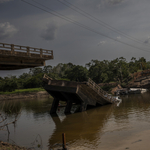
{"x": 102, "y": 128}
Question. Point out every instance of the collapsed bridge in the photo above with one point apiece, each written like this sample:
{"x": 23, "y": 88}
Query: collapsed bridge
{"x": 80, "y": 93}
{"x": 14, "y": 57}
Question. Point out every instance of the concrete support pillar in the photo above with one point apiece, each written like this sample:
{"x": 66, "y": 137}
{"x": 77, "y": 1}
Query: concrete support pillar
{"x": 83, "y": 106}
{"x": 54, "y": 106}
{"x": 68, "y": 107}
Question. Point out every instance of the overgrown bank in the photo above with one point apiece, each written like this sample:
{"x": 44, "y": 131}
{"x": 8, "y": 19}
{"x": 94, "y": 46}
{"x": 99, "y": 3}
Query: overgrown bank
{"x": 115, "y": 71}
{"x": 24, "y": 94}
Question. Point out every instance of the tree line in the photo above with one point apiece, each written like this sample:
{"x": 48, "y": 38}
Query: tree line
{"x": 117, "y": 70}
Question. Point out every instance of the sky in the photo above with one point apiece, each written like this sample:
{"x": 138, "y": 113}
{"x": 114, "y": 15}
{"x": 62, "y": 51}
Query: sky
{"x": 77, "y": 30}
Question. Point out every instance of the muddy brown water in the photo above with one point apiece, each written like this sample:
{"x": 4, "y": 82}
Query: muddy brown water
{"x": 106, "y": 127}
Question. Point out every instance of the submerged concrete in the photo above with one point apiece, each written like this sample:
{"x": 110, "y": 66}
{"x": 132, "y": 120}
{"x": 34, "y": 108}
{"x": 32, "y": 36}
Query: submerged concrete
{"x": 80, "y": 93}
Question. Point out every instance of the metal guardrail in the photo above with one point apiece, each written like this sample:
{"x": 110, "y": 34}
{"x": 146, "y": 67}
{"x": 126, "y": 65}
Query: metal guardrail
{"x": 47, "y": 77}
{"x": 14, "y": 49}
{"x": 101, "y": 92}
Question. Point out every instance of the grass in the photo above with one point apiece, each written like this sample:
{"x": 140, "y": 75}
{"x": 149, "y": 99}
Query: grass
{"x": 139, "y": 70}
{"x": 17, "y": 91}
{"x": 112, "y": 82}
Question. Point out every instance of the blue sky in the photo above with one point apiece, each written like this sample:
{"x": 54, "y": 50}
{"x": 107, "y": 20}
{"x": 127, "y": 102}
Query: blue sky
{"x": 126, "y": 21}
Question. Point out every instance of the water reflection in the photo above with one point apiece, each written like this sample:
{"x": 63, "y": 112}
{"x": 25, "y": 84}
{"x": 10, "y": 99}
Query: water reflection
{"x": 31, "y": 111}
{"x": 85, "y": 126}
{"x": 10, "y": 107}
{"x": 97, "y": 128}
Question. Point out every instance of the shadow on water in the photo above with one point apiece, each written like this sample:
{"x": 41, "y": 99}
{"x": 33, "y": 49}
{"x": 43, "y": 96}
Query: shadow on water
{"x": 85, "y": 126}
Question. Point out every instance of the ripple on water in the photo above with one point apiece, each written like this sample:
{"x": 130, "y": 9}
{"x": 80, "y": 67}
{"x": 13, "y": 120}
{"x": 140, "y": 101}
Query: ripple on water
{"x": 99, "y": 128}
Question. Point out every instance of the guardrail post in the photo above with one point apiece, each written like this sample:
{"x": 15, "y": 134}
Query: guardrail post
{"x": 12, "y": 48}
{"x": 52, "y": 53}
{"x": 28, "y": 51}
{"x": 41, "y": 52}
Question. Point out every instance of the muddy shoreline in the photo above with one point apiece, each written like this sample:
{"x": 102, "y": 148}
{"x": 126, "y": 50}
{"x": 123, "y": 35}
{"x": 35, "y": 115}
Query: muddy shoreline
{"x": 41, "y": 94}
{"x": 8, "y": 146}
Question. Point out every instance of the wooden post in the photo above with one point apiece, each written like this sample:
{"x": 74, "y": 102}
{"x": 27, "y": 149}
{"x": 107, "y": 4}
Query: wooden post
{"x": 64, "y": 141}
{"x": 12, "y": 48}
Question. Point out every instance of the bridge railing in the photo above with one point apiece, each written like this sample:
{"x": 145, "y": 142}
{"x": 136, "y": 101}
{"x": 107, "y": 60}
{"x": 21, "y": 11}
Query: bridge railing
{"x": 101, "y": 92}
{"x": 12, "y": 49}
{"x": 47, "y": 77}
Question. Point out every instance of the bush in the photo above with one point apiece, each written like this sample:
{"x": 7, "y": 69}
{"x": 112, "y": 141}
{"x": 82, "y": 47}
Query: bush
{"x": 8, "y": 85}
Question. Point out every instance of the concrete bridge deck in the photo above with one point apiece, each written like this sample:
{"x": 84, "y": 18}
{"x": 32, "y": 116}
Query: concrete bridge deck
{"x": 81, "y": 93}
{"x": 19, "y": 57}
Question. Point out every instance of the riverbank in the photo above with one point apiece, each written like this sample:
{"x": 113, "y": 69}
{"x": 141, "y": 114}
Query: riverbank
{"x": 7, "y": 146}
{"x": 24, "y": 95}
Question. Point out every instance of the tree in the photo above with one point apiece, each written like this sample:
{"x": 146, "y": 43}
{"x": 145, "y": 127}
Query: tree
{"x": 133, "y": 65}
{"x": 35, "y": 71}
{"x": 34, "y": 82}
{"x": 77, "y": 73}
{"x": 95, "y": 68}
{"x": 99, "y": 71}
{"x": 148, "y": 65}
{"x": 48, "y": 69}
{"x": 8, "y": 84}
{"x": 22, "y": 79}
{"x": 60, "y": 70}
{"x": 24, "y": 76}
{"x": 123, "y": 69}
{"x": 142, "y": 63}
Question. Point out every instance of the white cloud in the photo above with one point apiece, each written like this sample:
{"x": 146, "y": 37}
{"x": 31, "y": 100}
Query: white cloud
{"x": 3, "y": 1}
{"x": 101, "y": 43}
{"x": 7, "y": 30}
{"x": 109, "y": 2}
{"x": 113, "y": 2}
{"x": 118, "y": 37}
{"x": 50, "y": 32}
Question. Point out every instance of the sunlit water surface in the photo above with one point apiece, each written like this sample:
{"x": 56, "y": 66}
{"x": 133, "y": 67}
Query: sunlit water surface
{"x": 99, "y": 128}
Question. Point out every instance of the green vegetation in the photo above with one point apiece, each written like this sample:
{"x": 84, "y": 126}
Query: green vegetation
{"x": 17, "y": 91}
{"x": 117, "y": 70}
